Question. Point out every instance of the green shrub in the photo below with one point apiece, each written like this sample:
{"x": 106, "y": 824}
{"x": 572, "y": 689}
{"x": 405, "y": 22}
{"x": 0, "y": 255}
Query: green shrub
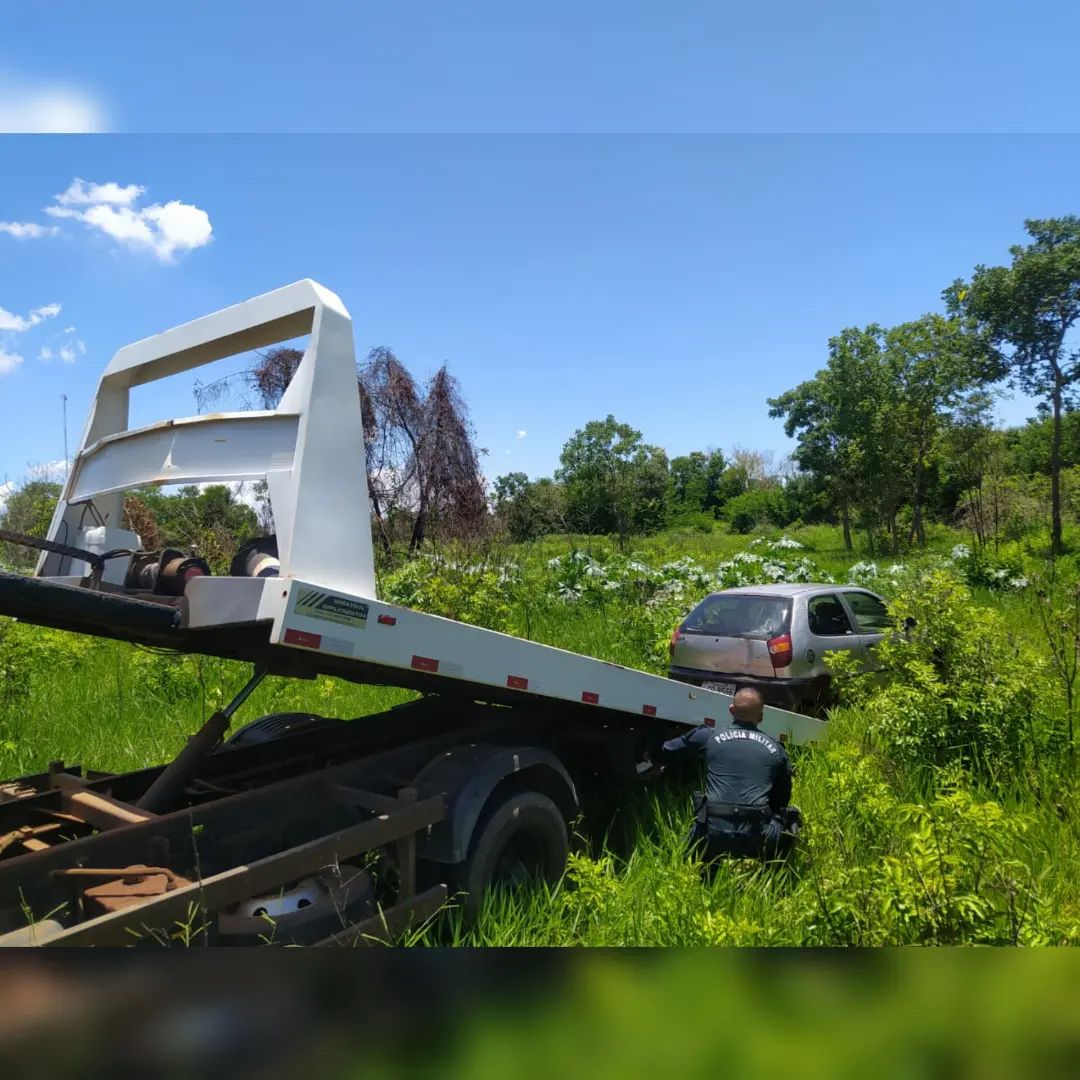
{"x": 756, "y": 508}
{"x": 475, "y": 594}
{"x": 957, "y": 874}
{"x": 956, "y": 688}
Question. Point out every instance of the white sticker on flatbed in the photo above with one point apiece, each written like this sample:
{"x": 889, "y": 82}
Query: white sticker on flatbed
{"x": 314, "y": 604}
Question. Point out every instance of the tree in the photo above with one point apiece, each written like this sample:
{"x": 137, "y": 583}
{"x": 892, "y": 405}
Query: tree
{"x": 614, "y": 481}
{"x": 423, "y": 473}
{"x": 27, "y": 510}
{"x": 526, "y": 508}
{"x": 1024, "y": 313}
{"x": 696, "y": 481}
{"x": 1028, "y": 446}
{"x": 268, "y": 377}
{"x": 838, "y": 420}
{"x": 422, "y": 461}
{"x": 933, "y": 362}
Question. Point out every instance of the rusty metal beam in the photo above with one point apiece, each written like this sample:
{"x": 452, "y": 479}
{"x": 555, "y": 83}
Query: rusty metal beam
{"x": 94, "y": 807}
{"x": 232, "y": 885}
{"x": 389, "y": 925}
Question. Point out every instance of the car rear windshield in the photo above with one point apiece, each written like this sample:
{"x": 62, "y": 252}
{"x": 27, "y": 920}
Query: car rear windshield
{"x": 740, "y": 615}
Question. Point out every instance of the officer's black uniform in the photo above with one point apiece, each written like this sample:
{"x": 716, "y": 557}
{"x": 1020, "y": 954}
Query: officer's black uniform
{"x": 744, "y": 810}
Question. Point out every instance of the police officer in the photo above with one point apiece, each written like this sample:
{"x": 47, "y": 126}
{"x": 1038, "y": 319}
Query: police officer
{"x": 744, "y": 810}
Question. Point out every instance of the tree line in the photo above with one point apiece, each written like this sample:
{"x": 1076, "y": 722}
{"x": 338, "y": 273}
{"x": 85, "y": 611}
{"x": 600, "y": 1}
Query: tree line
{"x": 895, "y": 430}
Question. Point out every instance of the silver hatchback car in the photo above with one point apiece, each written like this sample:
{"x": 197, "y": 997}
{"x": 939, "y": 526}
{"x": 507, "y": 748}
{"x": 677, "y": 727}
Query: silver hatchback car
{"x": 774, "y": 638}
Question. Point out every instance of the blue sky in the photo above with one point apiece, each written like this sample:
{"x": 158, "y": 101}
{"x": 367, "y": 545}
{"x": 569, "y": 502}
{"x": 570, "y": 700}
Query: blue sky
{"x": 492, "y": 66}
{"x": 676, "y": 282}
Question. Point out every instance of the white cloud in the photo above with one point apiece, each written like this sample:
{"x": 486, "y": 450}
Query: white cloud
{"x": 80, "y": 193}
{"x": 166, "y": 230}
{"x": 50, "y": 470}
{"x": 522, "y": 434}
{"x": 69, "y": 329}
{"x": 18, "y": 323}
{"x": 6, "y": 489}
{"x": 8, "y": 361}
{"x": 68, "y": 352}
{"x": 46, "y": 108}
{"x": 27, "y": 230}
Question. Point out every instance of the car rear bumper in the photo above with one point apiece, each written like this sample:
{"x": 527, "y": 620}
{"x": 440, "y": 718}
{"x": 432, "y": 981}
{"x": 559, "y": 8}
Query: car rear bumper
{"x": 784, "y": 693}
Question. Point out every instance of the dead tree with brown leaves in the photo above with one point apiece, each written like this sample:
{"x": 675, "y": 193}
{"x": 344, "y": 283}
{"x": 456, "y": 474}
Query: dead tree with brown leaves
{"x": 423, "y": 464}
{"x": 423, "y": 471}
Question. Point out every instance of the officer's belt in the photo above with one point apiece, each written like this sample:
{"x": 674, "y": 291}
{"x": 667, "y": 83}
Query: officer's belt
{"x": 737, "y": 812}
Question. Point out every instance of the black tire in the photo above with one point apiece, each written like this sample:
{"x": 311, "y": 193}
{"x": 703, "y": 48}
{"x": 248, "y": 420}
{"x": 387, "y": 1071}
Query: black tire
{"x": 520, "y": 837}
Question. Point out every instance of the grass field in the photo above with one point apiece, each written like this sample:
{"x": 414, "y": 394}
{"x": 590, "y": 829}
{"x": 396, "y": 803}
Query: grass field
{"x": 910, "y": 838}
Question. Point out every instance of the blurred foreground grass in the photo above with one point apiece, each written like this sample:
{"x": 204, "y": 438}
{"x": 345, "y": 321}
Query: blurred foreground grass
{"x": 893, "y": 1014}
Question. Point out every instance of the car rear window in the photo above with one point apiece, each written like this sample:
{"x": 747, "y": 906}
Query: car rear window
{"x": 740, "y": 615}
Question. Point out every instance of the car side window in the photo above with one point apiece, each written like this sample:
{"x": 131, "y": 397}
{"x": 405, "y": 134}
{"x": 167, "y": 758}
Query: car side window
{"x": 826, "y": 617}
{"x": 871, "y": 615}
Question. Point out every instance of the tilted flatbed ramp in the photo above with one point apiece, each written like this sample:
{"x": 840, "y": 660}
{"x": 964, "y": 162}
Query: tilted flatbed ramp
{"x": 382, "y": 644}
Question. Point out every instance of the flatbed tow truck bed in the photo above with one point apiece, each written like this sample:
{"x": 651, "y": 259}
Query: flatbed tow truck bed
{"x": 299, "y": 828}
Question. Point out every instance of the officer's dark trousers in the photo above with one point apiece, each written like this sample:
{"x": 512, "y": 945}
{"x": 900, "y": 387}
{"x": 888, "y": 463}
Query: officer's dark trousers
{"x": 767, "y": 839}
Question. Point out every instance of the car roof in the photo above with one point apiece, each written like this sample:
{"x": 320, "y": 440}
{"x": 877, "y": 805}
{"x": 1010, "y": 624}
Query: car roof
{"x": 786, "y": 590}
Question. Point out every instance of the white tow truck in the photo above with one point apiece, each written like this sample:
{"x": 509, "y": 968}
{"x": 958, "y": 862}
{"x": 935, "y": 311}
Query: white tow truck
{"x": 332, "y": 832}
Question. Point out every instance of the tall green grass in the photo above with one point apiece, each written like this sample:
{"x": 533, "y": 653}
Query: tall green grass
{"x": 1007, "y": 862}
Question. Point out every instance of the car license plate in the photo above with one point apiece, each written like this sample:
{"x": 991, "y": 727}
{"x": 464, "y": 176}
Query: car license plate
{"x": 720, "y": 687}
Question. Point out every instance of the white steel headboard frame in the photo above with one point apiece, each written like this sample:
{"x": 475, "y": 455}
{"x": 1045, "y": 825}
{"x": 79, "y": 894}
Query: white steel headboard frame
{"x": 323, "y": 526}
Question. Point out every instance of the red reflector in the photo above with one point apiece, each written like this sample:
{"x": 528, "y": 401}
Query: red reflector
{"x": 387, "y": 620}
{"x": 649, "y": 710}
{"x": 590, "y": 698}
{"x": 782, "y": 737}
{"x": 710, "y": 722}
{"x": 302, "y": 637}
{"x": 425, "y": 663}
{"x": 517, "y": 682}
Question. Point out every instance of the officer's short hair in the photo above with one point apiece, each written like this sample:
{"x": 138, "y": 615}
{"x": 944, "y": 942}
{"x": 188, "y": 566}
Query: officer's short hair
{"x": 748, "y": 704}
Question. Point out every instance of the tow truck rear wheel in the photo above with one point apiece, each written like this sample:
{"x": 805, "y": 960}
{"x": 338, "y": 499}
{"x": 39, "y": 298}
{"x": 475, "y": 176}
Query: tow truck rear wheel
{"x": 520, "y": 838}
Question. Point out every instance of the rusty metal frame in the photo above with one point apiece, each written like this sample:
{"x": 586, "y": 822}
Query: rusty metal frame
{"x": 219, "y": 890}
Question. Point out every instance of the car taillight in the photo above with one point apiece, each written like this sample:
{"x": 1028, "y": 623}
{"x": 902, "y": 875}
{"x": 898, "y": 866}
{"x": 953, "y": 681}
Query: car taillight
{"x": 780, "y": 650}
{"x": 673, "y": 642}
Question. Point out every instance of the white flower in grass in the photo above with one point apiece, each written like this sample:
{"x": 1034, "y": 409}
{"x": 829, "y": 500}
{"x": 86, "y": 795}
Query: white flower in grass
{"x": 960, "y": 551}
